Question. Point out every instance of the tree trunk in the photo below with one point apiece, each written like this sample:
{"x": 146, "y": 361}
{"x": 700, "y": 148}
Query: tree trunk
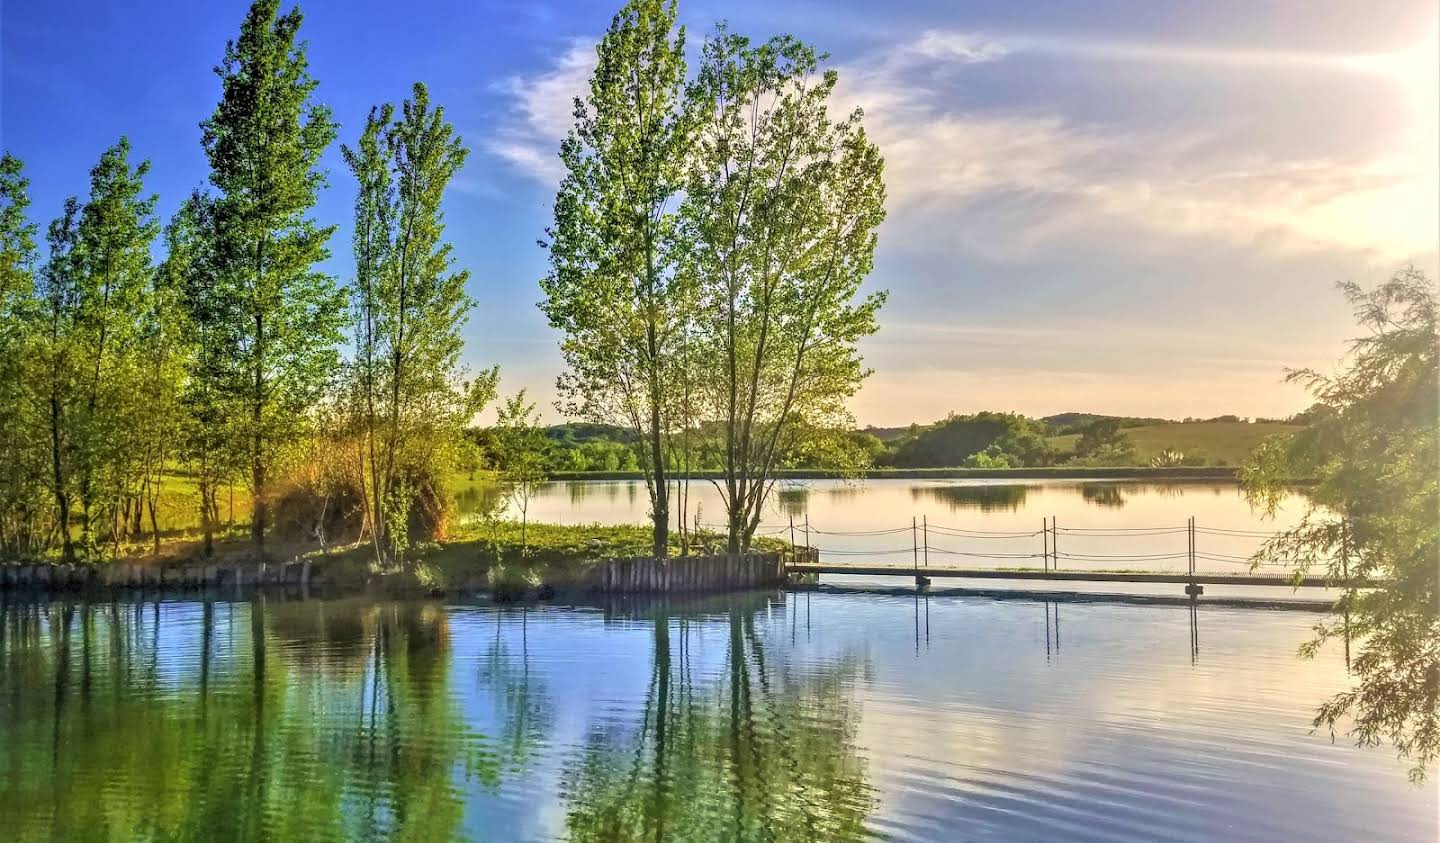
{"x": 661, "y": 515}
{"x": 207, "y": 523}
{"x": 62, "y": 498}
{"x": 154, "y": 525}
{"x": 257, "y": 506}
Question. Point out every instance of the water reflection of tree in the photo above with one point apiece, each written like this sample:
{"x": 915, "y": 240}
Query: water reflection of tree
{"x": 1106, "y": 495}
{"x": 985, "y": 498}
{"x": 251, "y": 741}
{"x": 523, "y": 701}
{"x": 766, "y": 752}
{"x": 792, "y": 501}
{"x": 480, "y": 500}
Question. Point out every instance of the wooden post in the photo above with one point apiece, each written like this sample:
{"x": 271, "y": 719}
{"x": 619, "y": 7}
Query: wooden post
{"x": 1054, "y": 545}
{"x": 1194, "y": 589}
{"x": 792, "y": 534}
{"x": 1191, "y": 553}
{"x": 807, "y": 527}
{"x": 914, "y": 546}
{"x": 925, "y": 525}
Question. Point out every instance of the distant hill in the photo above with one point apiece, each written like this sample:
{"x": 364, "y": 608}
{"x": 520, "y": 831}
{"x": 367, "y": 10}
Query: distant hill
{"x": 1072, "y": 422}
{"x": 588, "y": 431}
{"x": 889, "y": 434}
{"x": 1225, "y": 442}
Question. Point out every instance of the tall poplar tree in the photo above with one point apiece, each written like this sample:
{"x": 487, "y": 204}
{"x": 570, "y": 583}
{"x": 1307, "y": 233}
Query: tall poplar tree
{"x": 22, "y": 461}
{"x": 61, "y": 361}
{"x": 113, "y": 272}
{"x": 410, "y": 403}
{"x": 613, "y": 286}
{"x": 780, "y": 214}
{"x": 207, "y": 314}
{"x": 264, "y": 144}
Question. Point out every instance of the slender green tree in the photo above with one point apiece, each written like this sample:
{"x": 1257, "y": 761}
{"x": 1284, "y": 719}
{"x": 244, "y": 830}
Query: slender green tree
{"x": 207, "y": 315}
{"x": 113, "y": 272}
{"x": 613, "y": 287}
{"x": 369, "y": 161}
{"x": 22, "y": 457}
{"x": 520, "y": 455}
{"x": 162, "y": 363}
{"x": 1372, "y": 521}
{"x": 409, "y": 397}
{"x": 264, "y": 143}
{"x": 780, "y": 215}
{"x": 61, "y": 362}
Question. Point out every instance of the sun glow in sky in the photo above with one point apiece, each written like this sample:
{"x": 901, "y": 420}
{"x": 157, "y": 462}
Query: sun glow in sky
{"x": 1117, "y": 207}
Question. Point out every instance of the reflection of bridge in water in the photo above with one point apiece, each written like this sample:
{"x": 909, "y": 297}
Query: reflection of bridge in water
{"x": 1050, "y": 604}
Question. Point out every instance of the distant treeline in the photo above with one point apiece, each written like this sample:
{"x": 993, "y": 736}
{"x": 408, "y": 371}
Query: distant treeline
{"x": 985, "y": 440}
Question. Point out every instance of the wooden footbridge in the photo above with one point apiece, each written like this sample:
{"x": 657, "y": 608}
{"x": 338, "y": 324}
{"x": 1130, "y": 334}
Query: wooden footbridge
{"x": 923, "y": 575}
{"x": 984, "y": 564}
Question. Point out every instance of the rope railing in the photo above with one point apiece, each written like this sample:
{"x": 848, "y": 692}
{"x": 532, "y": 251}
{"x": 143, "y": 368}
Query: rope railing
{"x": 923, "y": 544}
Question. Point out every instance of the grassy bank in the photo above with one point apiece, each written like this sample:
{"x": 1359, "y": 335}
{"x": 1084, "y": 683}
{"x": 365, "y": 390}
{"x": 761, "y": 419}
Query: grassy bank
{"x": 1224, "y": 442}
{"x": 495, "y": 556}
{"x": 1047, "y": 472}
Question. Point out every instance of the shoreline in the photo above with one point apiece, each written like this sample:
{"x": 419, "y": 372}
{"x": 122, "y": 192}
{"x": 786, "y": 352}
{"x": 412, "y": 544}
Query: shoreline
{"x": 1174, "y": 474}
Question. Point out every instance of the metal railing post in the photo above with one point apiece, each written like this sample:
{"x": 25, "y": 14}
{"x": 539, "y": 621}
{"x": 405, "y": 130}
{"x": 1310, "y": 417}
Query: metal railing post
{"x": 925, "y": 525}
{"x": 914, "y": 546}
{"x": 1054, "y": 545}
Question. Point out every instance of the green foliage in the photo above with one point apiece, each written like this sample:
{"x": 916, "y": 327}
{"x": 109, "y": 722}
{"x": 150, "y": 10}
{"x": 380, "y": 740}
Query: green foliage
{"x": 1102, "y": 436}
{"x": 264, "y": 143}
{"x": 210, "y": 440}
{"x": 25, "y": 520}
{"x": 1202, "y": 442}
{"x": 1063, "y": 424}
{"x": 1016, "y": 441}
{"x": 519, "y": 449}
{"x": 613, "y": 288}
{"x": 778, "y": 227}
{"x": 1374, "y": 514}
{"x": 994, "y": 456}
{"x": 407, "y": 403}
{"x": 94, "y": 319}
{"x": 113, "y": 274}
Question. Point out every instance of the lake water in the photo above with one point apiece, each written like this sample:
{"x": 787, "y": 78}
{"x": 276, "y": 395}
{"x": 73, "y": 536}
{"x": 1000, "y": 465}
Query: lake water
{"x": 800, "y": 717}
{"x": 1102, "y": 525}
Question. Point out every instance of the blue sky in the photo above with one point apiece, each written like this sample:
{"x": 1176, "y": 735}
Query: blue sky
{"x": 1126, "y": 207}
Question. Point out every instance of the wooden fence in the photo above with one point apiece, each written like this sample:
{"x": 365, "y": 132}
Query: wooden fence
{"x": 721, "y": 572}
{"x": 51, "y": 577}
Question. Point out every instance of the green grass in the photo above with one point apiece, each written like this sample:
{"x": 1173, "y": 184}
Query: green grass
{"x": 179, "y": 501}
{"x": 550, "y": 553}
{"x": 1226, "y": 442}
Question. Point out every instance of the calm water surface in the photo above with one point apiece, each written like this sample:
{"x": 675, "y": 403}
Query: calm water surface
{"x": 820, "y": 717}
{"x": 1103, "y": 525}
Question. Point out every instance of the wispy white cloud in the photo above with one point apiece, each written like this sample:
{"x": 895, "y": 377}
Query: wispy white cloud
{"x": 542, "y": 112}
{"x": 1189, "y": 224}
{"x": 1046, "y": 174}
{"x": 974, "y": 47}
